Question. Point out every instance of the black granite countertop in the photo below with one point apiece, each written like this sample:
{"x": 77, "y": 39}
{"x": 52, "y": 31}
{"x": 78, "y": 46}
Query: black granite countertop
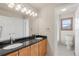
{"x": 33, "y": 40}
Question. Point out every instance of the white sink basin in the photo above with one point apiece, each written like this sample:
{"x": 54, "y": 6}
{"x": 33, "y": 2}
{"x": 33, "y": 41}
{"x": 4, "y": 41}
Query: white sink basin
{"x": 39, "y": 38}
{"x": 13, "y": 46}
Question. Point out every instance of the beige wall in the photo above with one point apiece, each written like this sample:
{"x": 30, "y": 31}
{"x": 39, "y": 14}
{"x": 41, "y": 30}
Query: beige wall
{"x": 46, "y": 27}
{"x": 33, "y": 26}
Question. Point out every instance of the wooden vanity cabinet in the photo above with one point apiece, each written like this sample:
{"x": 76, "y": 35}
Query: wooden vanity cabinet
{"x": 34, "y": 49}
{"x": 42, "y": 50}
{"x": 37, "y": 49}
{"x": 25, "y": 51}
{"x": 13, "y": 54}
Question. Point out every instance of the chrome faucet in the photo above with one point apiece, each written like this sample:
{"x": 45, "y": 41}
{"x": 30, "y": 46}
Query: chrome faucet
{"x": 11, "y": 40}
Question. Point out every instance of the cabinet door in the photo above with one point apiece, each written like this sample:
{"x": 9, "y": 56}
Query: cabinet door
{"x": 42, "y": 48}
{"x": 28, "y": 49}
{"x": 13, "y": 54}
{"x": 45, "y": 47}
{"x": 24, "y": 51}
{"x": 34, "y": 49}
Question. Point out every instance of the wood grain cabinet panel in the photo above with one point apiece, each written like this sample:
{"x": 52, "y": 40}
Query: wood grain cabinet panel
{"x": 13, "y": 54}
{"x": 42, "y": 50}
{"x": 34, "y": 49}
{"x": 28, "y": 49}
{"x": 25, "y": 51}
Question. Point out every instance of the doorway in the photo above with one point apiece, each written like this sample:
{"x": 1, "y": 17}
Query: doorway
{"x": 65, "y": 44}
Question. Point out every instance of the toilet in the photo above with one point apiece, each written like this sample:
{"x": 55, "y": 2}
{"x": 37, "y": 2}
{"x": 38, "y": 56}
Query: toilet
{"x": 69, "y": 41}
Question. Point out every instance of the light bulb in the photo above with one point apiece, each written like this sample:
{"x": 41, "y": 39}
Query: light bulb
{"x": 11, "y": 5}
{"x": 23, "y": 10}
{"x": 18, "y": 7}
{"x": 28, "y": 12}
{"x": 35, "y": 14}
{"x": 31, "y": 13}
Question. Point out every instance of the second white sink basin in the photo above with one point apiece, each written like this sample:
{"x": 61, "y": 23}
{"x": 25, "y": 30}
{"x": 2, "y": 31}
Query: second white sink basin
{"x": 13, "y": 46}
{"x": 39, "y": 38}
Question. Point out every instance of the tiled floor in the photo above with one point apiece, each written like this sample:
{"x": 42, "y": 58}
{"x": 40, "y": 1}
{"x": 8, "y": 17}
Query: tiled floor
{"x": 63, "y": 51}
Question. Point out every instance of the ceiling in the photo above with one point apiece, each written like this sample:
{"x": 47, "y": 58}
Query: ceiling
{"x": 41, "y": 5}
{"x": 36, "y": 6}
{"x": 71, "y": 8}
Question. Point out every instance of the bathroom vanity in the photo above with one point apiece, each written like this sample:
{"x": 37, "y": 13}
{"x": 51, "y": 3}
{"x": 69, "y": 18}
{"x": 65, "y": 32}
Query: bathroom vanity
{"x": 30, "y": 46}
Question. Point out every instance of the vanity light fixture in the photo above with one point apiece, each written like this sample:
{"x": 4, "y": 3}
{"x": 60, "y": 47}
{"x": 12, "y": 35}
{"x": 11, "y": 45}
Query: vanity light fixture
{"x": 11, "y": 5}
{"x": 18, "y": 7}
{"x": 22, "y": 8}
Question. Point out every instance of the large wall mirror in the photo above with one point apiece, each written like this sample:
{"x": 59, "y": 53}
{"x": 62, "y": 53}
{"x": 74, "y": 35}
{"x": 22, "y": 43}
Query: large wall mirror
{"x": 67, "y": 23}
